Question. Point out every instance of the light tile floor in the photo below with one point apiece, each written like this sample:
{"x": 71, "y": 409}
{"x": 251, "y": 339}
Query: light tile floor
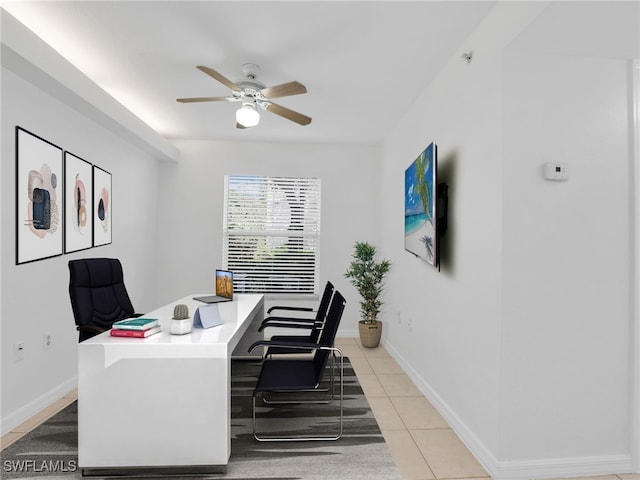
{"x": 420, "y": 441}
{"x": 37, "y": 419}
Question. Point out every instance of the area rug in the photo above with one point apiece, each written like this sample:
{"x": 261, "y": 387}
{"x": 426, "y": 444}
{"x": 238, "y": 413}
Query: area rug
{"x": 50, "y": 450}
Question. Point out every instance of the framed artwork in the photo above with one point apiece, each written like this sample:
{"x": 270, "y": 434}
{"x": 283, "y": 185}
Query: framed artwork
{"x": 39, "y": 231}
{"x": 420, "y": 181}
{"x": 101, "y": 207}
{"x": 78, "y": 203}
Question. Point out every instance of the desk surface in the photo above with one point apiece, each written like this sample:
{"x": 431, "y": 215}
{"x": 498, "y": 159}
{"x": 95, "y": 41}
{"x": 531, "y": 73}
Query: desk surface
{"x": 225, "y": 336}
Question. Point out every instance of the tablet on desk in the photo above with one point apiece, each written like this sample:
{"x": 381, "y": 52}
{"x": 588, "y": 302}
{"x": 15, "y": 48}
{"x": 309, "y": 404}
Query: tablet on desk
{"x": 224, "y": 288}
{"x": 207, "y": 316}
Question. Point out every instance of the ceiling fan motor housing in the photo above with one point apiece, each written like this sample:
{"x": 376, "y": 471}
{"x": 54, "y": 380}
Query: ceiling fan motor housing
{"x": 250, "y": 70}
{"x": 250, "y": 85}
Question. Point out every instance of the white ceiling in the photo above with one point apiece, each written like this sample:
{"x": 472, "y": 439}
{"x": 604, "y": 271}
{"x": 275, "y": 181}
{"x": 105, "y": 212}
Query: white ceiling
{"x": 363, "y": 62}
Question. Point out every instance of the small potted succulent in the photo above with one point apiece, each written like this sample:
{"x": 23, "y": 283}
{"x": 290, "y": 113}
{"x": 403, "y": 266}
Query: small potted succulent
{"x": 181, "y": 322}
{"x": 367, "y": 275}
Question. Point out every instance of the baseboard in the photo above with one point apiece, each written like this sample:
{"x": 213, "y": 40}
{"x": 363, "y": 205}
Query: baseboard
{"x": 466, "y": 435}
{"x": 516, "y": 469}
{"x": 562, "y": 467}
{"x": 24, "y": 413}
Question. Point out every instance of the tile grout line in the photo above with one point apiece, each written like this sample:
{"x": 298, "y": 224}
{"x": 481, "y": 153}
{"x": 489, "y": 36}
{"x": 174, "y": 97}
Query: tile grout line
{"x": 407, "y": 430}
{"x": 399, "y": 416}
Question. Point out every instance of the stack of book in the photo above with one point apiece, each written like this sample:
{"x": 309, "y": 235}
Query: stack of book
{"x": 140, "y": 327}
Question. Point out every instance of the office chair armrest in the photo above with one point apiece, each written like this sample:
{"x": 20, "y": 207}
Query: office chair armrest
{"x": 289, "y": 319}
{"x": 274, "y": 323}
{"x": 310, "y": 322}
{"x": 96, "y": 329}
{"x": 90, "y": 329}
{"x": 293, "y": 309}
{"x": 300, "y": 345}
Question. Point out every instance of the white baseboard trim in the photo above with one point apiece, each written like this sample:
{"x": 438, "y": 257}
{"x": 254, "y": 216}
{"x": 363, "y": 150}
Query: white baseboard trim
{"x": 24, "y": 413}
{"x": 516, "y": 469}
{"x": 562, "y": 467}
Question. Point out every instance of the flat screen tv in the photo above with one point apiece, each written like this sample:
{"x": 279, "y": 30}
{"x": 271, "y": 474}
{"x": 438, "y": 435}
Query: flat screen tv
{"x": 424, "y": 206}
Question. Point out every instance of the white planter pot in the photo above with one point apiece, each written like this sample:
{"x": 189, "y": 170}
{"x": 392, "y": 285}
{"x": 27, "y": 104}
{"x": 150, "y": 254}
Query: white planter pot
{"x": 180, "y": 327}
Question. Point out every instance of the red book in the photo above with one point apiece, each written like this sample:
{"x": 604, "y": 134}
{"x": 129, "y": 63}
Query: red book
{"x": 116, "y": 332}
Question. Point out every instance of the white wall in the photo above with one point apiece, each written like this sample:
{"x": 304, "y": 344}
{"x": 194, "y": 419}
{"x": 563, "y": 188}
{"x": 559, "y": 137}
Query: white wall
{"x": 445, "y": 326}
{"x": 568, "y": 315}
{"x": 567, "y": 253}
{"x": 192, "y": 197}
{"x": 34, "y": 297}
{"x": 535, "y": 388}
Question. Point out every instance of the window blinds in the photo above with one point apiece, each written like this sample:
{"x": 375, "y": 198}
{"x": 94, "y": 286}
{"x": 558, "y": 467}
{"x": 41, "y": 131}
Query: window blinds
{"x": 272, "y": 234}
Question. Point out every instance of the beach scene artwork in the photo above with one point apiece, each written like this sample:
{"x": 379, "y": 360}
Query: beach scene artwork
{"x": 419, "y": 206}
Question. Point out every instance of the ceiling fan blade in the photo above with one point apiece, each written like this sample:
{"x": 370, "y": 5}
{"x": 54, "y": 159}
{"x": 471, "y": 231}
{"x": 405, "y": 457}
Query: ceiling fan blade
{"x": 221, "y": 78}
{"x": 284, "y": 90}
{"x": 288, "y": 114}
{"x": 203, "y": 99}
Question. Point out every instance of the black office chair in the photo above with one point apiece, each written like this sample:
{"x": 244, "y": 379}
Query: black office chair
{"x": 313, "y": 325}
{"x": 286, "y": 375}
{"x": 320, "y": 313}
{"x": 98, "y": 295}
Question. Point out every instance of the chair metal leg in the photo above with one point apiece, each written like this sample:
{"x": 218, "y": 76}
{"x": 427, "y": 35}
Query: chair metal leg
{"x": 304, "y": 438}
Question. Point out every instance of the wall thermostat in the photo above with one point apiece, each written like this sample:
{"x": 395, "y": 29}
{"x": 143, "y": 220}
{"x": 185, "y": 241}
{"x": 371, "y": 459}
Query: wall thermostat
{"x": 556, "y": 171}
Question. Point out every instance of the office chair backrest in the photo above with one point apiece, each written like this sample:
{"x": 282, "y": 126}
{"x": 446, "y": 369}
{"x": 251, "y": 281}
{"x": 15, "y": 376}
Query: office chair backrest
{"x": 97, "y": 292}
{"x": 321, "y": 314}
{"x": 328, "y": 335}
{"x": 324, "y": 302}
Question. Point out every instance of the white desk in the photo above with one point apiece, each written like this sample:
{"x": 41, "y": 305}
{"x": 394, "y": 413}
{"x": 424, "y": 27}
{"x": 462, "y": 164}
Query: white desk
{"x": 163, "y": 401}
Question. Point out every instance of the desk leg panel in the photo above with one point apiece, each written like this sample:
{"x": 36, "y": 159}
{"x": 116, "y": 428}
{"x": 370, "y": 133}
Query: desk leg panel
{"x": 250, "y": 336}
{"x": 140, "y": 412}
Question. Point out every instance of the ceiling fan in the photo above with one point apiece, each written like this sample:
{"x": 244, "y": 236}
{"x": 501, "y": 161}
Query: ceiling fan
{"x": 253, "y": 94}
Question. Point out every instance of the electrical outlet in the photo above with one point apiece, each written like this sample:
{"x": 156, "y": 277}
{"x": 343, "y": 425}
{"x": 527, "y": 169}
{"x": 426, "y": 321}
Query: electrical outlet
{"x": 46, "y": 341}
{"x": 409, "y": 325}
{"x": 18, "y": 351}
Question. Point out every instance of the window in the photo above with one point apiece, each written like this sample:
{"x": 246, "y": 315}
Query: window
{"x": 272, "y": 234}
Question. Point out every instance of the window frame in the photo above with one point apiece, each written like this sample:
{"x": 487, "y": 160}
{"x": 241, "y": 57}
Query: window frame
{"x": 277, "y": 203}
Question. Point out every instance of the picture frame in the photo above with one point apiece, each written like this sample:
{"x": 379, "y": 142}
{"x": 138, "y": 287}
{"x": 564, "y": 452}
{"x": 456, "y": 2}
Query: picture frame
{"x": 102, "y": 207}
{"x": 420, "y": 198}
{"x": 78, "y": 203}
{"x": 39, "y": 216}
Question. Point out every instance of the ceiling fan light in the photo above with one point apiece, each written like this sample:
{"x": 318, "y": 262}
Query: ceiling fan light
{"x": 247, "y": 115}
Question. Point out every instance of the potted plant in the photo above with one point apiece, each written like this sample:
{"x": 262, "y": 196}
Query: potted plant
{"x": 367, "y": 276}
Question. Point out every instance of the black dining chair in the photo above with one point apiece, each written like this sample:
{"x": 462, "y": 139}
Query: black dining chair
{"x": 314, "y": 325}
{"x": 301, "y": 375}
{"x": 98, "y": 295}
